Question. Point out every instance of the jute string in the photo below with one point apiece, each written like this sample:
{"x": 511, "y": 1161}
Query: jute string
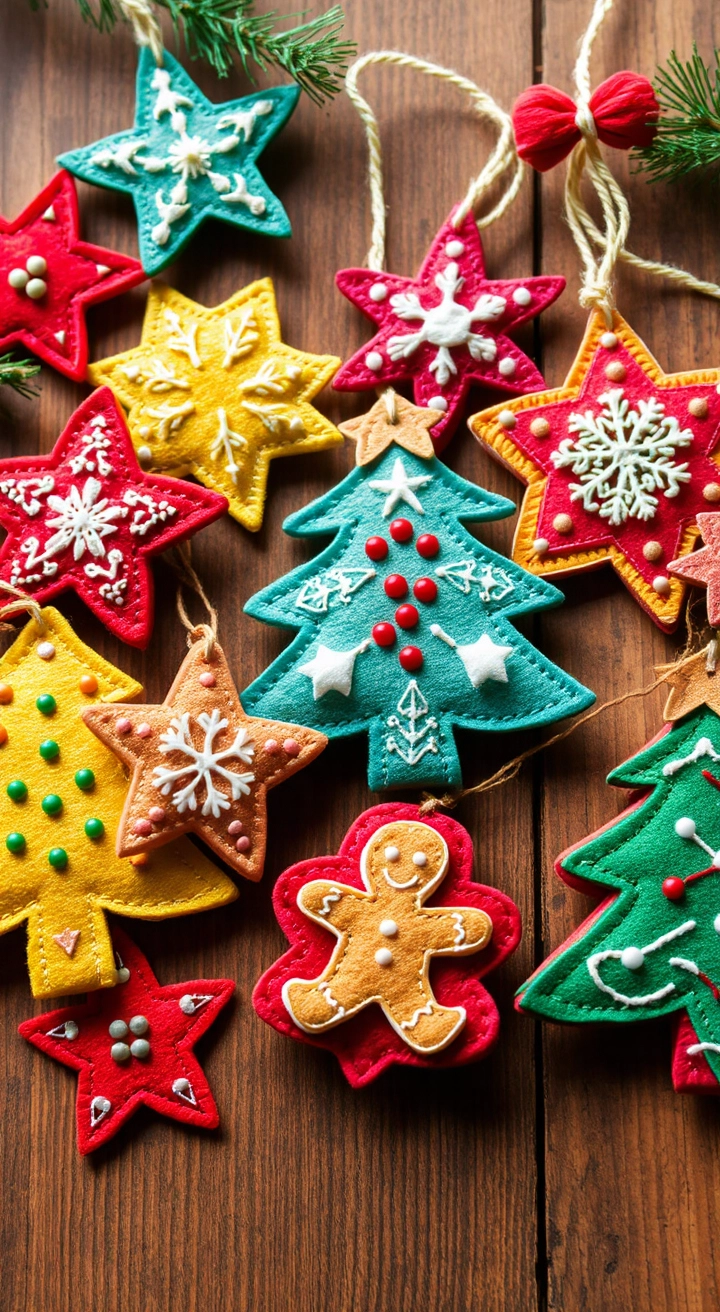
{"x": 21, "y": 602}
{"x": 181, "y": 561}
{"x": 503, "y": 159}
{"x": 145, "y": 27}
{"x": 596, "y": 291}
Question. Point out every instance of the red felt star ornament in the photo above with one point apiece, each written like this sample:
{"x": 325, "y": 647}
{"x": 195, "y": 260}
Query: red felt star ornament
{"x": 87, "y": 517}
{"x": 703, "y": 567}
{"x": 48, "y": 277}
{"x": 619, "y": 462}
{"x": 132, "y": 1044}
{"x": 445, "y": 329}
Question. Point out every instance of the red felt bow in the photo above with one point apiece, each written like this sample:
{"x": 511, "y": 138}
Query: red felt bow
{"x": 624, "y": 109}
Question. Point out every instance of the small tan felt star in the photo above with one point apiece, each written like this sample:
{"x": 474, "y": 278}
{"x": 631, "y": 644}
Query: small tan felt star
{"x": 200, "y": 763}
{"x": 691, "y": 684}
{"x": 216, "y": 393}
{"x": 392, "y": 419}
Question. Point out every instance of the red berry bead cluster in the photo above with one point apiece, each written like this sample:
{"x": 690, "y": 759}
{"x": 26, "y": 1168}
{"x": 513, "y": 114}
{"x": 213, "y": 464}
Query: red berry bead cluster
{"x": 425, "y": 590}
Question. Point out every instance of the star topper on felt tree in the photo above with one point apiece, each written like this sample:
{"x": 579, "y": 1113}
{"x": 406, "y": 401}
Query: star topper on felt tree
{"x": 49, "y": 277}
{"x": 187, "y": 159}
{"x": 133, "y": 1045}
{"x": 619, "y": 463}
{"x": 86, "y": 517}
{"x": 200, "y": 763}
{"x": 215, "y": 392}
{"x": 445, "y": 329}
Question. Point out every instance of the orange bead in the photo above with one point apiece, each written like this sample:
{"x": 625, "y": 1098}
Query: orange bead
{"x": 3, "y": 735}
{"x": 88, "y": 684}
{"x": 6, "y": 694}
{"x": 141, "y": 859}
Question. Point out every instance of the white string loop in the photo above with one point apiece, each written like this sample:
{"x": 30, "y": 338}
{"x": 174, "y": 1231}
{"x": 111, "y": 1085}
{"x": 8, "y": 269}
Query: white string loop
{"x": 503, "y": 158}
{"x": 145, "y": 27}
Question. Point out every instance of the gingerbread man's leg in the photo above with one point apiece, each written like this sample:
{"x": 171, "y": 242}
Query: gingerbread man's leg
{"x": 427, "y": 1026}
{"x": 318, "y": 1004}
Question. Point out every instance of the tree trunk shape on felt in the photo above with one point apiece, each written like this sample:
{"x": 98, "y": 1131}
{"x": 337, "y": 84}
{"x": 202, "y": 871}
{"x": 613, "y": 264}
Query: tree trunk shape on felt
{"x": 653, "y": 946}
{"x": 61, "y": 796}
{"x": 405, "y": 626}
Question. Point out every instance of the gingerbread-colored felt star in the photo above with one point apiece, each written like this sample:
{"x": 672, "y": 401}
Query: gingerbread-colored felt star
{"x": 391, "y": 419}
{"x": 49, "y": 277}
{"x": 216, "y": 393}
{"x": 133, "y": 1045}
{"x": 703, "y": 567}
{"x": 200, "y": 763}
{"x": 696, "y": 682}
{"x": 619, "y": 462}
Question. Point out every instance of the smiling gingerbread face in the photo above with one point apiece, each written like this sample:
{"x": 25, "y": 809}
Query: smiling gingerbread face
{"x": 406, "y": 855}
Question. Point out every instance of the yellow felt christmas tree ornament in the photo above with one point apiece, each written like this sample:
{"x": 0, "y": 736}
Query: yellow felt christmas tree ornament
{"x": 216, "y": 393}
{"x": 61, "y": 796}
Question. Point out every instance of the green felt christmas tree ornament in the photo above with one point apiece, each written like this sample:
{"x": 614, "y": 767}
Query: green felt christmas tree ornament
{"x": 404, "y": 620}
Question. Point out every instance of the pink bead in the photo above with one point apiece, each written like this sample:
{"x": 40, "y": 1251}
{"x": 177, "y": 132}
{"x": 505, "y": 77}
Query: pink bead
{"x": 142, "y": 828}
{"x": 291, "y": 747}
{"x": 143, "y": 731}
{"x": 156, "y": 814}
{"x": 271, "y": 746}
{"x": 123, "y": 725}
{"x": 207, "y": 680}
{"x": 242, "y": 844}
{"x": 235, "y": 827}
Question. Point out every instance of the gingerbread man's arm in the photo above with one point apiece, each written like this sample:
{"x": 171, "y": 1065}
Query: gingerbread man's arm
{"x": 456, "y": 929}
{"x": 330, "y": 903}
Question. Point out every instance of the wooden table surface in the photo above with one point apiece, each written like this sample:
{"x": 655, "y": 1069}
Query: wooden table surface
{"x": 562, "y": 1172}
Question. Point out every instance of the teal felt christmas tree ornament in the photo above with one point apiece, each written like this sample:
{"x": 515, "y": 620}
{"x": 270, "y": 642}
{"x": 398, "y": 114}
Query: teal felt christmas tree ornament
{"x": 652, "y": 948}
{"x": 187, "y": 159}
{"x": 404, "y": 618}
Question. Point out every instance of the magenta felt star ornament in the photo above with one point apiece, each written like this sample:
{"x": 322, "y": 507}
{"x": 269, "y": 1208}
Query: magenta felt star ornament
{"x": 132, "y": 1044}
{"x": 445, "y": 329}
{"x": 48, "y": 278}
{"x": 87, "y": 517}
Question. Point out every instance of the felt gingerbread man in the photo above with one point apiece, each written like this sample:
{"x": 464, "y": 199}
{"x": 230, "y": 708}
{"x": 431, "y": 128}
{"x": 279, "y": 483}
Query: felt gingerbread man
{"x": 387, "y": 938}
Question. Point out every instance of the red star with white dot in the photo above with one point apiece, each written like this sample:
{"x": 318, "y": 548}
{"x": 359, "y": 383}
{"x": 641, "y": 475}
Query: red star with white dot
{"x": 48, "y": 277}
{"x": 445, "y": 329}
{"x": 132, "y": 1045}
{"x": 87, "y": 517}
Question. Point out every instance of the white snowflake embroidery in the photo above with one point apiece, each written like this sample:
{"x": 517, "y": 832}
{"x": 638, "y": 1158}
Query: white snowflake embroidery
{"x": 413, "y": 742}
{"x": 189, "y": 155}
{"x": 493, "y": 583}
{"x": 83, "y": 520}
{"x": 317, "y": 594}
{"x": 203, "y": 764}
{"x": 623, "y": 456}
{"x": 446, "y": 325}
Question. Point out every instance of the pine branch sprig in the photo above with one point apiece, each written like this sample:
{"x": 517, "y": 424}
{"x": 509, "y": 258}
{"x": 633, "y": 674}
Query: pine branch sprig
{"x": 17, "y": 374}
{"x": 312, "y": 52}
{"x": 688, "y": 131}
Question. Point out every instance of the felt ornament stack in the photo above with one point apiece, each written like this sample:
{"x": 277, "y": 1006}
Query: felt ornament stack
{"x": 61, "y": 797}
{"x": 373, "y": 973}
{"x": 404, "y": 618}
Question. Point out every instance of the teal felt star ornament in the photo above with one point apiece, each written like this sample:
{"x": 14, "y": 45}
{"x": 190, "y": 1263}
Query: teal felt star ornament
{"x": 187, "y": 159}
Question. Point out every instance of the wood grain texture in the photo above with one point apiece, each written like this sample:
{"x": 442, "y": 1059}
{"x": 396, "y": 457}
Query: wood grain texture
{"x": 419, "y": 1194}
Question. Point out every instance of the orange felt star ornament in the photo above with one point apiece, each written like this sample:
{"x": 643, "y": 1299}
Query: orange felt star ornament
{"x": 391, "y": 419}
{"x": 703, "y": 567}
{"x": 200, "y": 763}
{"x": 695, "y": 682}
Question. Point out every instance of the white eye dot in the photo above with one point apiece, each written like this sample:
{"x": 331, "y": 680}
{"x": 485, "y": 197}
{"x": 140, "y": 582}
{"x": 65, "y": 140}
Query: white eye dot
{"x": 388, "y": 928}
{"x": 685, "y": 827}
{"x": 384, "y": 957}
{"x": 419, "y": 859}
{"x": 392, "y": 853}
{"x": 632, "y": 959}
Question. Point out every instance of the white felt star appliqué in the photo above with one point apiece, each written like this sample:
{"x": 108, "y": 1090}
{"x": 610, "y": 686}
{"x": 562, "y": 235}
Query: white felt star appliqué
{"x": 332, "y": 671}
{"x": 483, "y": 659}
{"x": 400, "y": 488}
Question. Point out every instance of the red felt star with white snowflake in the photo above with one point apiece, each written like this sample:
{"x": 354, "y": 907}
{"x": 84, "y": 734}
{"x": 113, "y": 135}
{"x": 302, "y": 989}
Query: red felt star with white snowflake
{"x": 619, "y": 462}
{"x": 48, "y": 277}
{"x": 132, "y": 1044}
{"x": 445, "y": 329}
{"x": 87, "y": 517}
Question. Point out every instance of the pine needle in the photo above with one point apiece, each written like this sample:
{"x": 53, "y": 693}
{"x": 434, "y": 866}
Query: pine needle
{"x": 688, "y": 134}
{"x": 17, "y": 374}
{"x": 312, "y": 52}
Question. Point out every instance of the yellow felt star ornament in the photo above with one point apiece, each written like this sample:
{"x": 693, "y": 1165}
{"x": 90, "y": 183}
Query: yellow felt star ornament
{"x": 216, "y": 393}
{"x": 61, "y": 796}
{"x": 391, "y": 419}
{"x": 694, "y": 682}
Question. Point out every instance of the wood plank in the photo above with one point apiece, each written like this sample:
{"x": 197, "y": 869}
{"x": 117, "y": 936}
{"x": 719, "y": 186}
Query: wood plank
{"x": 631, "y": 1200}
{"x": 417, "y": 1194}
